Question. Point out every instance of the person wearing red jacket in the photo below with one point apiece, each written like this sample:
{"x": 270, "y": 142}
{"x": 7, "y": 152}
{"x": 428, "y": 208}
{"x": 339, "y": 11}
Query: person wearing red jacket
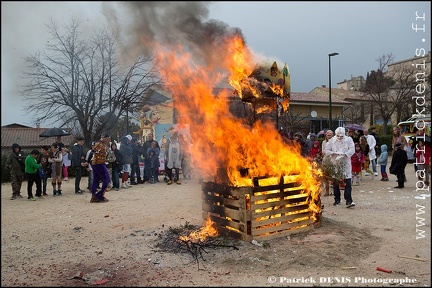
{"x": 357, "y": 160}
{"x": 315, "y": 153}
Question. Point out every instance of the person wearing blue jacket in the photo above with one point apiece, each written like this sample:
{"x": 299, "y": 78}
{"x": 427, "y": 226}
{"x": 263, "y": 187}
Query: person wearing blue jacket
{"x": 382, "y": 161}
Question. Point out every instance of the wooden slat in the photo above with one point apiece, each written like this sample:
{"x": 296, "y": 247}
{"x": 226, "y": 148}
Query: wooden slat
{"x": 264, "y": 222}
{"x": 239, "y": 215}
{"x": 231, "y": 203}
{"x": 279, "y": 234}
{"x": 287, "y": 226}
{"x": 284, "y": 210}
{"x": 277, "y": 187}
{"x": 234, "y": 235}
{"x": 238, "y": 204}
{"x": 281, "y": 194}
{"x": 223, "y": 222}
{"x": 282, "y": 203}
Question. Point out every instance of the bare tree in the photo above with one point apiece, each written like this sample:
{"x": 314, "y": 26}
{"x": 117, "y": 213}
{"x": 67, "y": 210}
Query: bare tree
{"x": 356, "y": 113}
{"x": 80, "y": 84}
{"x": 389, "y": 91}
{"x": 291, "y": 122}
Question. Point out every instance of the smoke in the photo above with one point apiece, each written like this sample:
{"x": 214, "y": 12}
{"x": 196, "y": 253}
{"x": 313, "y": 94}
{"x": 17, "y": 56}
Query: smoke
{"x": 142, "y": 24}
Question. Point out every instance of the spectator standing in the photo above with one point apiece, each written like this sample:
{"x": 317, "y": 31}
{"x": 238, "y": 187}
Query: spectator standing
{"x": 152, "y": 163}
{"x": 186, "y": 157}
{"x": 372, "y": 154}
{"x": 153, "y": 156}
{"x": 88, "y": 161}
{"x": 373, "y": 132}
{"x": 126, "y": 151}
{"x": 116, "y": 166}
{"x": 137, "y": 152}
{"x": 298, "y": 138}
{"x": 100, "y": 170}
{"x": 310, "y": 141}
{"x": 146, "y": 145}
{"x": 78, "y": 162}
{"x": 365, "y": 148}
{"x": 32, "y": 174}
{"x": 46, "y": 167}
{"x": 357, "y": 160}
{"x": 66, "y": 162}
{"x": 328, "y": 135}
{"x": 382, "y": 161}
{"x": 15, "y": 164}
{"x": 173, "y": 156}
{"x": 55, "y": 158}
{"x": 341, "y": 148}
{"x": 398, "y": 138}
{"x": 315, "y": 153}
{"x": 59, "y": 143}
{"x": 398, "y": 164}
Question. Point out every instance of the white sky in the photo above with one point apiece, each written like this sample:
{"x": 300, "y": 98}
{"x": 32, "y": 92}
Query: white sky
{"x": 302, "y": 34}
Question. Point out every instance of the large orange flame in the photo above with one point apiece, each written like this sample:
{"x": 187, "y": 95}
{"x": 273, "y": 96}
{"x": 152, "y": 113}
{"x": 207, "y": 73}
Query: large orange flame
{"x": 219, "y": 139}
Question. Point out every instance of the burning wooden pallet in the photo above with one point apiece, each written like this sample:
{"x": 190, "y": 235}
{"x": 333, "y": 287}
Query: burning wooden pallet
{"x": 270, "y": 208}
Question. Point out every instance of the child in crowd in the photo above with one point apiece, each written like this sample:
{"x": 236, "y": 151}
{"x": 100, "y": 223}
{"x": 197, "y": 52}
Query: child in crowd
{"x": 66, "y": 162}
{"x": 357, "y": 160}
{"x": 56, "y": 158}
{"x": 32, "y": 173}
{"x": 382, "y": 161}
{"x": 46, "y": 167}
{"x": 315, "y": 153}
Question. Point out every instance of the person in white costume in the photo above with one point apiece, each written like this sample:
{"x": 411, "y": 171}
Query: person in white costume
{"x": 341, "y": 148}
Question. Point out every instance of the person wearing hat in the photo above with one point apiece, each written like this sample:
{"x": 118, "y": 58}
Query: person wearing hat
{"x": 100, "y": 170}
{"x": 15, "y": 164}
{"x": 398, "y": 164}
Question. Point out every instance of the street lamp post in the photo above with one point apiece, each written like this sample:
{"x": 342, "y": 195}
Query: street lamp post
{"x": 330, "y": 101}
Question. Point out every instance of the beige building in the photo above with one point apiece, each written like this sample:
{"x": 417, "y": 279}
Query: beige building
{"x": 354, "y": 84}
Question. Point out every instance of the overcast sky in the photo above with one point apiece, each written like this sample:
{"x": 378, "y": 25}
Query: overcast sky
{"x": 301, "y": 34}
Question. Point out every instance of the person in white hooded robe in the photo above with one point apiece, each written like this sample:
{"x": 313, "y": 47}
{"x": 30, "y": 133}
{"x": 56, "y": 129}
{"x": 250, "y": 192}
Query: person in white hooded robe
{"x": 172, "y": 157}
{"x": 341, "y": 148}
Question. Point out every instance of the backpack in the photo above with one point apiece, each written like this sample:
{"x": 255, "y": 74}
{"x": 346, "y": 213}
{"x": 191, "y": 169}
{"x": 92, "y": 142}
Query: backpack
{"x": 110, "y": 156}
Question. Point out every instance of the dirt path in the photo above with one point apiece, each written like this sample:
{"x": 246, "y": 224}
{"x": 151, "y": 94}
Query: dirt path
{"x": 67, "y": 241}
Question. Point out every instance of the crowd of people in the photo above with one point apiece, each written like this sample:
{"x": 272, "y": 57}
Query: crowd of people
{"x": 112, "y": 165}
{"x": 109, "y": 165}
{"x": 359, "y": 153}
